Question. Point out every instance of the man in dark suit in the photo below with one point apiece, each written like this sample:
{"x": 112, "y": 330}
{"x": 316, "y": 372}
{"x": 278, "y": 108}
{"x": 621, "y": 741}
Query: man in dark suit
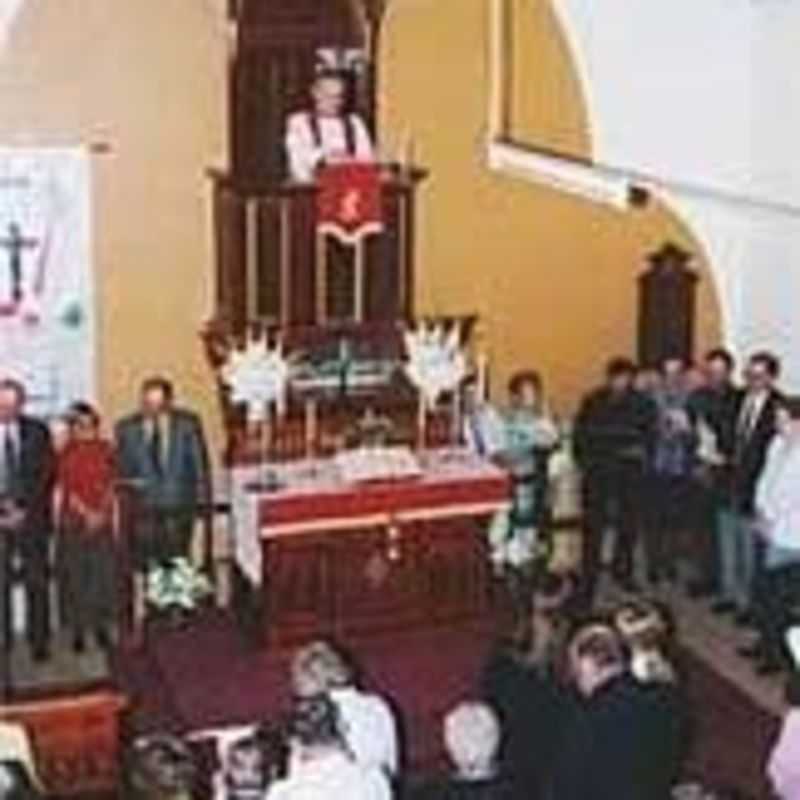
{"x": 26, "y": 482}
{"x": 623, "y": 739}
{"x": 753, "y": 426}
{"x": 714, "y": 405}
{"x": 162, "y": 453}
{"x": 614, "y": 437}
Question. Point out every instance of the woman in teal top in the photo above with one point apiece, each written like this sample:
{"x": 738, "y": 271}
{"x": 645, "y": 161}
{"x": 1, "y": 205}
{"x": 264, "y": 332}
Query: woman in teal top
{"x": 530, "y": 437}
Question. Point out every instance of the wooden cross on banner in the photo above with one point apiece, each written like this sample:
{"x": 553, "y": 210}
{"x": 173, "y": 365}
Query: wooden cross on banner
{"x": 15, "y": 243}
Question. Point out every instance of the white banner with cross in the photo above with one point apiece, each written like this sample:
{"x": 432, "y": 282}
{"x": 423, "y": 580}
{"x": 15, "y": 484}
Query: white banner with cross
{"x": 46, "y": 281}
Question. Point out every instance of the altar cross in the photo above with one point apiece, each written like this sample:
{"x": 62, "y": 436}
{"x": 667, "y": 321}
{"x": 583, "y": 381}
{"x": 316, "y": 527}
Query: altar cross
{"x": 15, "y": 243}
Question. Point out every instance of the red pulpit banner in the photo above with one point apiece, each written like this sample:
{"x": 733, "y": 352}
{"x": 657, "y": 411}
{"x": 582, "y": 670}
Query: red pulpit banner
{"x": 349, "y": 201}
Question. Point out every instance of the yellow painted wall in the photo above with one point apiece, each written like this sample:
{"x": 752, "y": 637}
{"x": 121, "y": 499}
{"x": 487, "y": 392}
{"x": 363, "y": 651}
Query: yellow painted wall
{"x": 553, "y": 276}
{"x": 148, "y": 78}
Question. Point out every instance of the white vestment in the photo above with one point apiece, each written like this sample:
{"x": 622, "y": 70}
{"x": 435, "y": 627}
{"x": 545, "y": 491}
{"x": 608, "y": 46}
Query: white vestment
{"x": 308, "y": 144}
{"x": 331, "y": 777}
{"x": 369, "y": 728}
{"x": 777, "y": 495}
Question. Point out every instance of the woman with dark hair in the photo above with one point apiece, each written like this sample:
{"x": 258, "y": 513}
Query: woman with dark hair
{"x": 530, "y": 436}
{"x": 84, "y": 510}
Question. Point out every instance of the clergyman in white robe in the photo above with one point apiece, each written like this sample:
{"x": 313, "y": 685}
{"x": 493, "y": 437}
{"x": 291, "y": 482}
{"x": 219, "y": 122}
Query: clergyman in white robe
{"x": 312, "y": 140}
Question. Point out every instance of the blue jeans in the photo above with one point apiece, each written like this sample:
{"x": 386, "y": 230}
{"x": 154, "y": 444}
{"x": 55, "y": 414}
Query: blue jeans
{"x": 736, "y": 543}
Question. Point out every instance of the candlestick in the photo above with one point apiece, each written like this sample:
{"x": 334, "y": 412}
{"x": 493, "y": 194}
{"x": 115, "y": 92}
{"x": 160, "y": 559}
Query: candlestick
{"x": 482, "y": 390}
{"x": 456, "y": 423}
{"x": 311, "y": 427}
{"x": 422, "y": 418}
{"x": 266, "y": 436}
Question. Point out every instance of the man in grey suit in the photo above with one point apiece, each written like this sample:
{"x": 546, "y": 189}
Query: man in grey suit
{"x": 162, "y": 453}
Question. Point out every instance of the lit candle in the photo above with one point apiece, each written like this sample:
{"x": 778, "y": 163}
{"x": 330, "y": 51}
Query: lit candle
{"x": 311, "y": 426}
{"x": 422, "y": 418}
{"x": 483, "y": 378}
{"x": 456, "y": 430}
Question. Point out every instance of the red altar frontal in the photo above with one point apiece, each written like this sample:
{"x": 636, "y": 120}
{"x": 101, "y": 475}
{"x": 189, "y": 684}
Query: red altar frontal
{"x": 319, "y": 555}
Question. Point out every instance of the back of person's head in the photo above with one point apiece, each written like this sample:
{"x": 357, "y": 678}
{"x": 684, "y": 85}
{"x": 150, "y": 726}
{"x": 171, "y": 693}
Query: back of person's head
{"x": 640, "y": 624}
{"x": 315, "y": 723}
{"x": 16, "y": 782}
{"x": 318, "y": 668}
{"x": 161, "y": 767}
{"x": 472, "y": 738}
{"x": 551, "y": 591}
{"x": 273, "y": 739}
{"x": 596, "y": 653}
{"x": 246, "y": 771}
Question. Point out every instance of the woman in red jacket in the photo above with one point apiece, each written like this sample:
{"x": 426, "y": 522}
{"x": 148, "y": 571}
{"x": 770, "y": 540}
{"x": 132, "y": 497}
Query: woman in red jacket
{"x": 84, "y": 509}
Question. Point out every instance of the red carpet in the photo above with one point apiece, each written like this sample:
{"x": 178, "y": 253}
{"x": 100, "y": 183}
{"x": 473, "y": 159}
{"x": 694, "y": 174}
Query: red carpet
{"x": 205, "y": 675}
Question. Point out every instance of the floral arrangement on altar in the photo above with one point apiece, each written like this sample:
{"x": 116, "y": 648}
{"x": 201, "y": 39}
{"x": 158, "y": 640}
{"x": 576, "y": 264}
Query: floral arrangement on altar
{"x": 436, "y": 362}
{"x": 176, "y": 585}
{"x": 258, "y": 377}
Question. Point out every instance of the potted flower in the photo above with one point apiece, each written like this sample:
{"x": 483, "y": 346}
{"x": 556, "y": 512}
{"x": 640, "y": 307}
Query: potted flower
{"x": 175, "y": 588}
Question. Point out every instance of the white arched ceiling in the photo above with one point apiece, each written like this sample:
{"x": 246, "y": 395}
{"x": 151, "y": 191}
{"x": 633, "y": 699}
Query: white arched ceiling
{"x": 704, "y": 98}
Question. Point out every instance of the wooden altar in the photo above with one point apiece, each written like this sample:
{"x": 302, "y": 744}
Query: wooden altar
{"x": 318, "y": 556}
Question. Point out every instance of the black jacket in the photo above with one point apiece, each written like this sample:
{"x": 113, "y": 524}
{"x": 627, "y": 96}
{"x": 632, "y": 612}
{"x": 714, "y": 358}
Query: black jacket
{"x": 35, "y": 475}
{"x": 614, "y": 430}
{"x": 625, "y": 744}
{"x": 749, "y": 456}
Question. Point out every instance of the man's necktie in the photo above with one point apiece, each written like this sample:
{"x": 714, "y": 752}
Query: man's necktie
{"x": 157, "y": 447}
{"x": 747, "y": 419}
{"x": 8, "y": 462}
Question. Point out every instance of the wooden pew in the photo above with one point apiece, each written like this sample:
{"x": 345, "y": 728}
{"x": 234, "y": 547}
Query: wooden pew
{"x": 76, "y": 740}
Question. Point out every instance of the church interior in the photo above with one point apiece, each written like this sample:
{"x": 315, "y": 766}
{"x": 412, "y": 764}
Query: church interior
{"x": 398, "y": 399}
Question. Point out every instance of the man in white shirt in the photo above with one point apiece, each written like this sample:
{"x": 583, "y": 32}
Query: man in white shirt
{"x": 320, "y": 766}
{"x": 753, "y": 426}
{"x": 778, "y": 508}
{"x": 327, "y": 133}
{"x": 368, "y": 725}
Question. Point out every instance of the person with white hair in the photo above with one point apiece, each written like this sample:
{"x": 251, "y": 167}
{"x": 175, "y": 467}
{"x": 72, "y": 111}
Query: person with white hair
{"x": 320, "y": 765}
{"x": 472, "y": 734}
{"x": 368, "y": 723}
{"x": 328, "y": 132}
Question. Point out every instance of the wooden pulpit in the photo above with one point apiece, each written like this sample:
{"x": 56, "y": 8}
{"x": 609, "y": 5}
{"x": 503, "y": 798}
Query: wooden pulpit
{"x": 275, "y": 268}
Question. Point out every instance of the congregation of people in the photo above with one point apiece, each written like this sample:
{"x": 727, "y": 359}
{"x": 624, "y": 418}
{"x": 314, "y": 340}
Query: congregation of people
{"x": 59, "y": 492}
{"x": 582, "y": 697}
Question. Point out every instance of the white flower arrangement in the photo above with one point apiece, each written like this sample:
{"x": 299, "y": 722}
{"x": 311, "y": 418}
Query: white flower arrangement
{"x": 436, "y": 362}
{"x": 176, "y": 584}
{"x": 258, "y": 377}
